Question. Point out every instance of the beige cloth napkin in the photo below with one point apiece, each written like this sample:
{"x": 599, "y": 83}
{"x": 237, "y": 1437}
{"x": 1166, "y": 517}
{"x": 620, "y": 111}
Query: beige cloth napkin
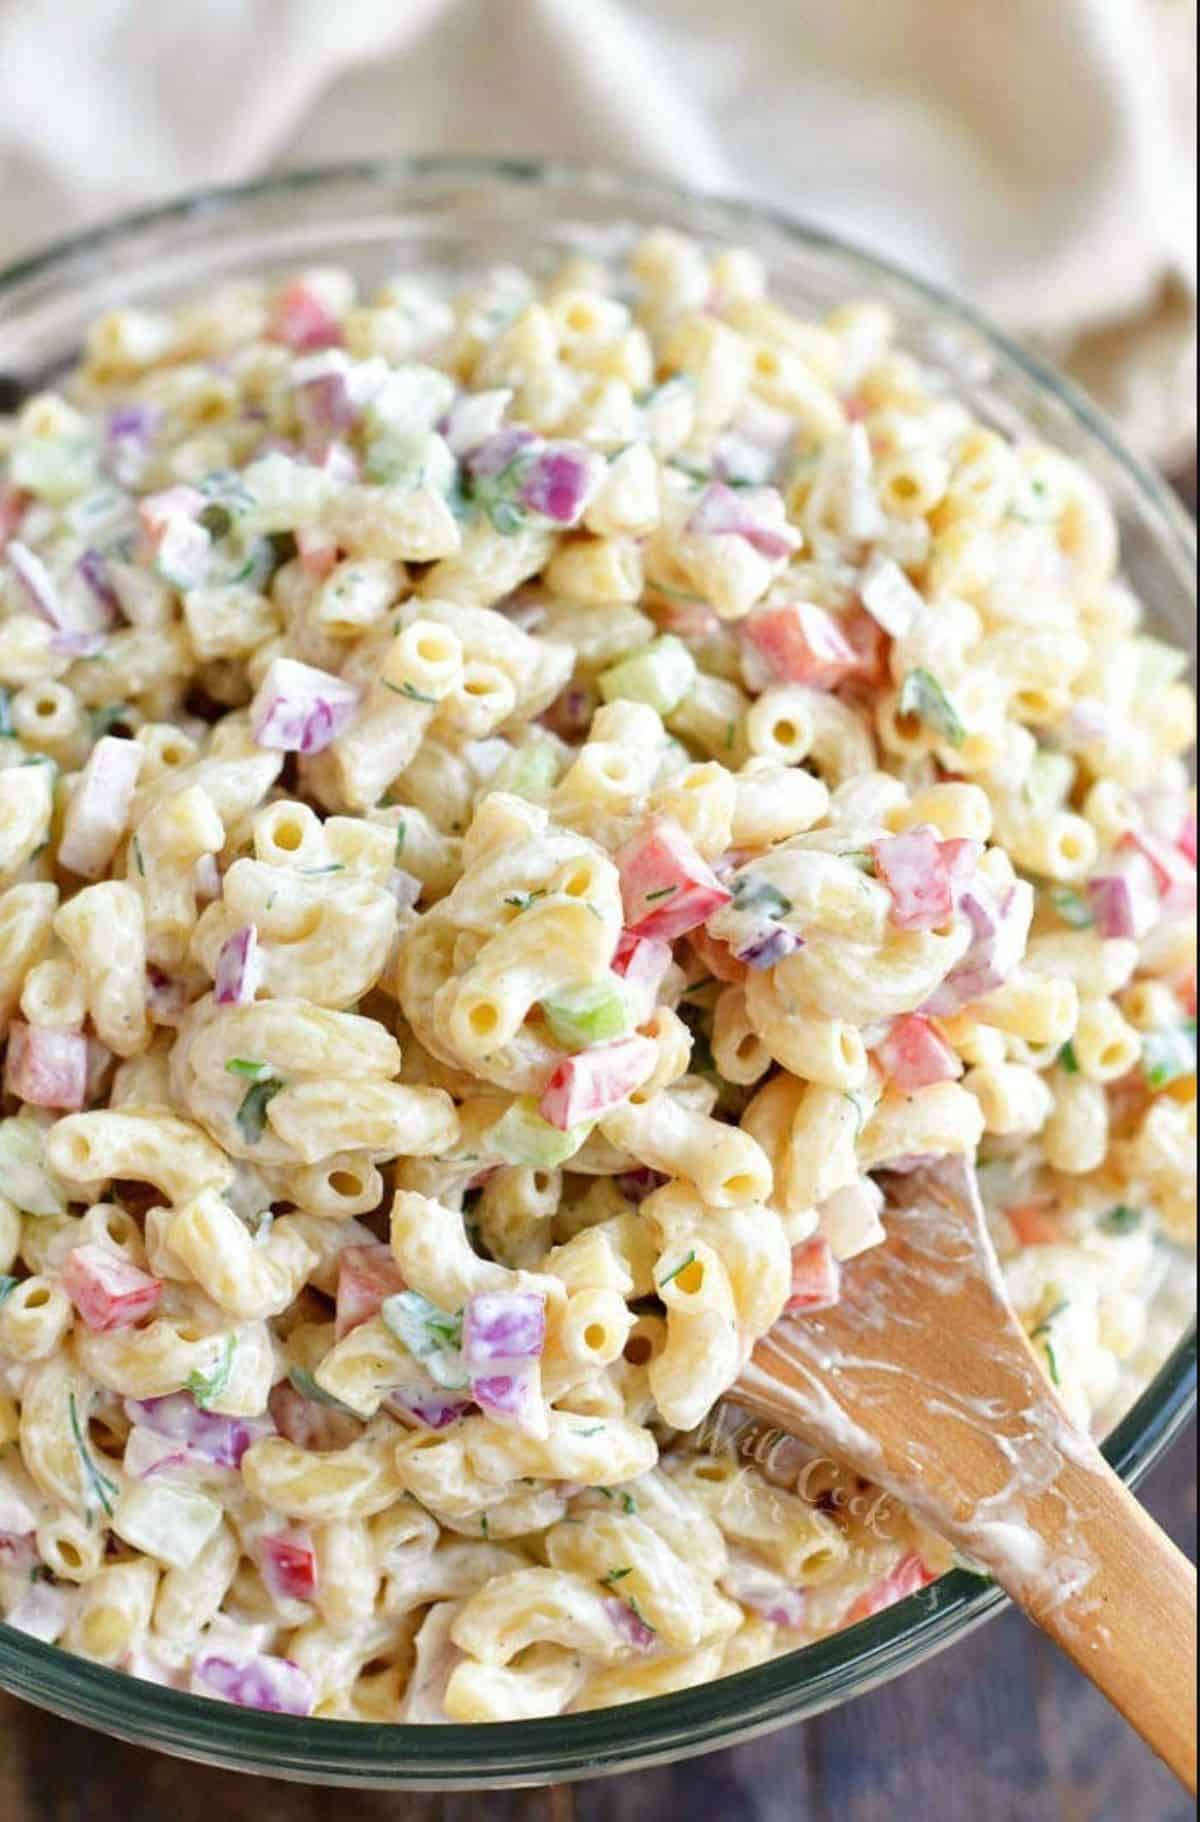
{"x": 1037, "y": 155}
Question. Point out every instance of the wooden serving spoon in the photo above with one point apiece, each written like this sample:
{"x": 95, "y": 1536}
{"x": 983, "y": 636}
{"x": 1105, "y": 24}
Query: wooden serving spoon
{"x": 922, "y": 1380}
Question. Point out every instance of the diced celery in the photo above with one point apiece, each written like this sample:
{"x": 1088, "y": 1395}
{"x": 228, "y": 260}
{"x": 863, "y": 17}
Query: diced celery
{"x": 54, "y": 469}
{"x": 660, "y": 675}
{"x": 521, "y": 1136}
{"x": 590, "y": 1012}
{"x": 1169, "y": 1055}
{"x": 1047, "y": 783}
{"x": 167, "y": 1521}
{"x": 529, "y": 772}
{"x": 431, "y": 1336}
{"x": 411, "y": 458}
{"x": 412, "y": 397}
{"x": 24, "y": 1178}
{"x": 1158, "y": 666}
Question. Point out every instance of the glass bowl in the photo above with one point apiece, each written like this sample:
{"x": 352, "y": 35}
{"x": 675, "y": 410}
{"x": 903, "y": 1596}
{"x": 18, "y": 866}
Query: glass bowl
{"x": 459, "y": 216}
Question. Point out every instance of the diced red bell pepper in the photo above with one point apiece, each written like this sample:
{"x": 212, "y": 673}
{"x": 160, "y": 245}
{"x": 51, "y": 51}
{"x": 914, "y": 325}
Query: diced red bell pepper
{"x": 686, "y": 618}
{"x": 816, "y": 1277}
{"x": 1185, "y": 841}
{"x": 12, "y": 510}
{"x": 302, "y": 321}
{"x": 642, "y": 963}
{"x": 106, "y": 1289}
{"x": 317, "y": 550}
{"x": 718, "y": 958}
{"x": 908, "y": 1577}
{"x": 1033, "y": 1225}
{"x": 1187, "y": 993}
{"x": 46, "y": 1068}
{"x": 591, "y": 1084}
{"x": 667, "y": 888}
{"x": 801, "y": 643}
{"x": 1174, "y": 873}
{"x": 288, "y": 1565}
{"x": 917, "y": 873}
{"x": 315, "y": 1427}
{"x": 915, "y": 1056}
{"x": 366, "y": 1275}
{"x": 869, "y": 643}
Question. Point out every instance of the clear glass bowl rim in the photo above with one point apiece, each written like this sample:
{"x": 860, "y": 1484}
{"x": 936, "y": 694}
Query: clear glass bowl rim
{"x": 732, "y": 1708}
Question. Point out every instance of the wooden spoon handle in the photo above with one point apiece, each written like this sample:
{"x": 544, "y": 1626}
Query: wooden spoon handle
{"x": 1077, "y": 1552}
{"x": 1132, "y": 1627}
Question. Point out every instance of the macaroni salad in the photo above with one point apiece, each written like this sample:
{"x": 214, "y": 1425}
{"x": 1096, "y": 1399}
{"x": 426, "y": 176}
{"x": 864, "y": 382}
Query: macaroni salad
{"x": 515, "y": 807}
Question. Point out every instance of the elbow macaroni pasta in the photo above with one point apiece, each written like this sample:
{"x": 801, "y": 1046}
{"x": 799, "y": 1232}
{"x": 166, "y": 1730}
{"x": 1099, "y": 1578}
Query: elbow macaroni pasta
{"x": 582, "y": 782}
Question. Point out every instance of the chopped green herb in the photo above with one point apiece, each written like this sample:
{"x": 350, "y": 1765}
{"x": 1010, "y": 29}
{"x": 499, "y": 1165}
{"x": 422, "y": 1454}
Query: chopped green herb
{"x": 401, "y": 832}
{"x": 431, "y": 1335}
{"x": 139, "y": 859}
{"x": 410, "y": 690}
{"x": 615, "y": 1575}
{"x": 1168, "y": 1056}
{"x": 335, "y": 866}
{"x": 252, "y": 1114}
{"x": 664, "y": 892}
{"x": 207, "y": 1387}
{"x": 1068, "y": 1060}
{"x": 863, "y": 859}
{"x": 922, "y": 695}
{"x": 6, "y": 726}
{"x": 246, "y": 1066}
{"x": 637, "y": 1613}
{"x": 303, "y": 1382}
{"x": 523, "y": 900}
{"x": 1052, "y": 1362}
{"x": 750, "y": 894}
{"x": 483, "y": 1524}
{"x": 1122, "y": 1219}
{"x": 1043, "y": 1327}
{"x": 7, "y": 1287}
{"x": 681, "y": 1267}
{"x": 594, "y": 1431}
{"x": 628, "y": 1503}
{"x": 104, "y": 1489}
{"x": 1072, "y": 907}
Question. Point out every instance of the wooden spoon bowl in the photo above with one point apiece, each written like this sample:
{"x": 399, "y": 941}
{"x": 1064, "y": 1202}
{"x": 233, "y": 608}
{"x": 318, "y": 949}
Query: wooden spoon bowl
{"x": 922, "y": 1379}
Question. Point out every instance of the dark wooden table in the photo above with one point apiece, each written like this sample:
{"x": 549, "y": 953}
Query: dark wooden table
{"x": 998, "y": 1729}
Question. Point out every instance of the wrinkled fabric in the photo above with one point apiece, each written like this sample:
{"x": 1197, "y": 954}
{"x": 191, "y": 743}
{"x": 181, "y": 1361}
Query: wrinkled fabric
{"x": 1039, "y": 159}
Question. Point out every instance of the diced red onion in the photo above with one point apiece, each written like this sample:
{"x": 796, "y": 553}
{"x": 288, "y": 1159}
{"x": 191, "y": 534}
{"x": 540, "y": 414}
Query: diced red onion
{"x": 633, "y": 1630}
{"x": 221, "y": 1440}
{"x": 18, "y": 1552}
{"x": 769, "y": 944}
{"x": 503, "y": 1327}
{"x": 560, "y": 480}
{"x": 94, "y": 570}
{"x": 426, "y": 1405}
{"x": 513, "y": 1397}
{"x": 46, "y": 1068}
{"x": 298, "y": 709}
{"x": 998, "y": 943}
{"x": 917, "y": 874}
{"x": 1111, "y": 899}
{"x": 1087, "y": 719}
{"x": 495, "y": 453}
{"x": 239, "y": 972}
{"x": 274, "y": 1684}
{"x": 404, "y": 887}
{"x": 765, "y": 1592}
{"x": 636, "y": 1185}
{"x": 752, "y": 513}
{"x": 98, "y": 811}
